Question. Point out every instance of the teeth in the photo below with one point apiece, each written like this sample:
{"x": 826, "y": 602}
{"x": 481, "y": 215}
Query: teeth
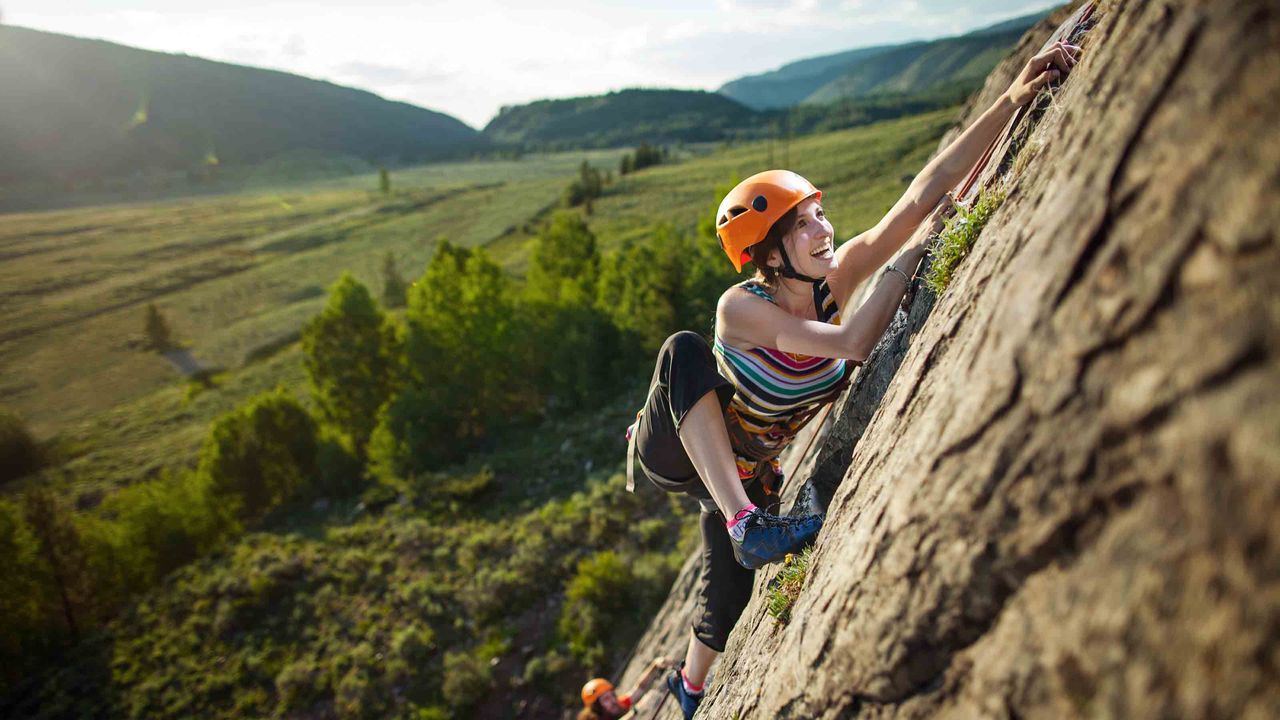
{"x": 821, "y": 251}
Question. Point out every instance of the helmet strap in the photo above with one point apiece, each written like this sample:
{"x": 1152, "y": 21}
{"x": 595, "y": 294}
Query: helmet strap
{"x": 789, "y": 271}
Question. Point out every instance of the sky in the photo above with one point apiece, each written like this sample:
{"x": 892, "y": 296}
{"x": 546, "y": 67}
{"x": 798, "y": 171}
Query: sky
{"x": 468, "y": 58}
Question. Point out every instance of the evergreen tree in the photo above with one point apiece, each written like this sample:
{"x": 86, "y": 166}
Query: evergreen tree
{"x": 586, "y": 186}
{"x": 643, "y": 287}
{"x": 563, "y": 261}
{"x": 394, "y": 288}
{"x": 461, "y": 374}
{"x": 159, "y": 336}
{"x": 348, "y": 360}
{"x": 63, "y": 553}
{"x": 571, "y": 345}
{"x": 28, "y": 600}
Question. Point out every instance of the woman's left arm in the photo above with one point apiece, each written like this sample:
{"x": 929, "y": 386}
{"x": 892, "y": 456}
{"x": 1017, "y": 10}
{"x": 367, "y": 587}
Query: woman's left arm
{"x": 642, "y": 685}
{"x": 863, "y": 255}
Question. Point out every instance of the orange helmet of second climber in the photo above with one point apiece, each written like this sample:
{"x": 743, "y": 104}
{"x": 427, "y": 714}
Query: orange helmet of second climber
{"x": 753, "y": 206}
{"x": 594, "y": 689}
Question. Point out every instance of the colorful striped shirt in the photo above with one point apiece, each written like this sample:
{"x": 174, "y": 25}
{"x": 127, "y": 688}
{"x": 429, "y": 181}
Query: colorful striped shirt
{"x": 777, "y": 392}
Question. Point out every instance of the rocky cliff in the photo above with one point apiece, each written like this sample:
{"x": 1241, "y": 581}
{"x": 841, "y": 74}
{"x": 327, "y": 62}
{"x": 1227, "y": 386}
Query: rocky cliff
{"x": 1053, "y": 489}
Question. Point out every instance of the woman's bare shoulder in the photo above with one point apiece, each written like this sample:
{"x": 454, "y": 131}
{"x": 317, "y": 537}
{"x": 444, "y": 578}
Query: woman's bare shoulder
{"x": 737, "y": 312}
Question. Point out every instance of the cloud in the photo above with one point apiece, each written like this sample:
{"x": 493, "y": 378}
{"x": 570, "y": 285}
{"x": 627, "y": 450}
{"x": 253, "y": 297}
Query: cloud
{"x": 294, "y": 47}
{"x": 376, "y": 74}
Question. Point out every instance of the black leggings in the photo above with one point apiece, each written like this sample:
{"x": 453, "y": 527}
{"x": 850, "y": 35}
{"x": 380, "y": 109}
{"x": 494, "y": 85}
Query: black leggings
{"x": 686, "y": 372}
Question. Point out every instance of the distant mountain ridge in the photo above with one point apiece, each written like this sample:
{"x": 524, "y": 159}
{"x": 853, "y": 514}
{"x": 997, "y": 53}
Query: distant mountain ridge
{"x": 76, "y": 109}
{"x": 811, "y": 95}
{"x": 911, "y": 67}
{"x": 625, "y": 117}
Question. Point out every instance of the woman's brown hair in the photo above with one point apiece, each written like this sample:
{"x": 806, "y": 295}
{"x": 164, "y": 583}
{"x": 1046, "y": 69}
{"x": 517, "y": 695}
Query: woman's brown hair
{"x": 772, "y": 241}
{"x": 595, "y": 712}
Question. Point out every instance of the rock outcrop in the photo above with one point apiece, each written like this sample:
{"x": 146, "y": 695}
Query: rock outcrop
{"x": 1053, "y": 490}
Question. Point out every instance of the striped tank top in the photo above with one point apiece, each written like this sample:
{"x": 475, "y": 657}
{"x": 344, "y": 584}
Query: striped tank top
{"x": 776, "y": 392}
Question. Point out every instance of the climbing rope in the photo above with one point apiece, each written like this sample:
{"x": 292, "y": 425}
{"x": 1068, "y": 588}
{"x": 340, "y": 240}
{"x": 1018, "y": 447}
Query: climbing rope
{"x": 1071, "y": 29}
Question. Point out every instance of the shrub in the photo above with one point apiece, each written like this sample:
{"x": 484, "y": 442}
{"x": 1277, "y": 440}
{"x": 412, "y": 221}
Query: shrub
{"x": 957, "y": 238}
{"x": 299, "y": 685}
{"x": 19, "y": 452}
{"x": 786, "y": 587}
{"x": 258, "y": 456}
{"x": 338, "y": 464}
{"x": 28, "y": 593}
{"x": 161, "y": 525}
{"x": 597, "y": 599}
{"x": 467, "y": 679}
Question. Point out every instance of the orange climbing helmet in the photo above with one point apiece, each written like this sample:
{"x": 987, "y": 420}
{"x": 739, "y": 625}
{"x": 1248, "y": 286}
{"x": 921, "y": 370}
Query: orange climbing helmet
{"x": 594, "y": 689}
{"x": 753, "y": 206}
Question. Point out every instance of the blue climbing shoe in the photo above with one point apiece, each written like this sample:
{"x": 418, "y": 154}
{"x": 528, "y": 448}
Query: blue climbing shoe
{"x": 769, "y": 538}
{"x": 688, "y": 703}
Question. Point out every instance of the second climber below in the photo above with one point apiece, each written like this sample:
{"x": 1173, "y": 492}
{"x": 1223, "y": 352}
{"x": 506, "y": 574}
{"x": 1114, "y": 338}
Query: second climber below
{"x": 718, "y": 416}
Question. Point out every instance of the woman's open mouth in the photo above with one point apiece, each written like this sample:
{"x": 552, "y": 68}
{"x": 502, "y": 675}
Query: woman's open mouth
{"x": 822, "y": 251}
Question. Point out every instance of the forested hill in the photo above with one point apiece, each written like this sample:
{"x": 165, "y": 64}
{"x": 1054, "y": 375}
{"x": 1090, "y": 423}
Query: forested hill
{"x": 77, "y": 109}
{"x": 626, "y": 117}
{"x": 912, "y": 67}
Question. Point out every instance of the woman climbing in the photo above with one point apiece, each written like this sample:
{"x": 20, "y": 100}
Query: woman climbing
{"x": 601, "y": 702}
{"x": 717, "y": 418}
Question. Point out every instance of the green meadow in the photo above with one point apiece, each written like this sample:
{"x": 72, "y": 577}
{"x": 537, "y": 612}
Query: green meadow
{"x": 237, "y": 276}
{"x": 487, "y": 583}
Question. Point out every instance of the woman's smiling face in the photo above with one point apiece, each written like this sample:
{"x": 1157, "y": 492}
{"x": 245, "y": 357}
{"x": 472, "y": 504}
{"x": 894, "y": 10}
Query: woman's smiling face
{"x": 810, "y": 244}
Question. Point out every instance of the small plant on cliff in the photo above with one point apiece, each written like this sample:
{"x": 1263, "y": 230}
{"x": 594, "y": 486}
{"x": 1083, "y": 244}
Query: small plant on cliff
{"x": 958, "y": 236}
{"x": 785, "y": 588}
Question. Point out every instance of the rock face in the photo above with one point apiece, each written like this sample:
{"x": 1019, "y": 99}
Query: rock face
{"x": 1061, "y": 495}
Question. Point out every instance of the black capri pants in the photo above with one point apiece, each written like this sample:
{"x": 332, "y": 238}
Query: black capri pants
{"x": 686, "y": 371}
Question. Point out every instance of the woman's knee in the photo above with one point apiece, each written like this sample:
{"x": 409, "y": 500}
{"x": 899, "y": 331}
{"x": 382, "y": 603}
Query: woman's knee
{"x": 686, "y": 343}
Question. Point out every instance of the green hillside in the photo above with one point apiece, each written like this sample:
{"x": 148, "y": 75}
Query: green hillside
{"x": 913, "y": 67}
{"x": 486, "y": 584}
{"x": 78, "y": 110}
{"x": 626, "y": 117}
{"x": 963, "y": 61}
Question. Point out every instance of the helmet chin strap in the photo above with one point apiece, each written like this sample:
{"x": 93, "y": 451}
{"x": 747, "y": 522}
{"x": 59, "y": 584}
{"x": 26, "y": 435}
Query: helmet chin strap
{"x": 789, "y": 271}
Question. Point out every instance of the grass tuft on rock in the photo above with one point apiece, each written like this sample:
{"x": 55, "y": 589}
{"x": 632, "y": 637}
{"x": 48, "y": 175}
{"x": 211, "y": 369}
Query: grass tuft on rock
{"x": 785, "y": 588}
{"x": 957, "y": 238}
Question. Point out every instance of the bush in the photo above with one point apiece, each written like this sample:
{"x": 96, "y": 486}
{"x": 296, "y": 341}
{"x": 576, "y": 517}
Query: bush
{"x": 160, "y": 525}
{"x": 597, "y": 601}
{"x": 340, "y": 470}
{"x": 786, "y": 587}
{"x": 20, "y": 454}
{"x": 957, "y": 238}
{"x": 467, "y": 679}
{"x": 258, "y": 456}
{"x": 28, "y": 595}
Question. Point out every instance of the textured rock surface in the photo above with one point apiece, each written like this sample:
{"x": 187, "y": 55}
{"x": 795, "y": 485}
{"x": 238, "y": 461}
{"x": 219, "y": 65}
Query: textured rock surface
{"x": 1064, "y": 503}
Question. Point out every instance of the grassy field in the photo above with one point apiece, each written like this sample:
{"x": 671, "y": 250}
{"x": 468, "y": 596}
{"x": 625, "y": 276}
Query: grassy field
{"x": 442, "y": 596}
{"x": 235, "y": 274}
